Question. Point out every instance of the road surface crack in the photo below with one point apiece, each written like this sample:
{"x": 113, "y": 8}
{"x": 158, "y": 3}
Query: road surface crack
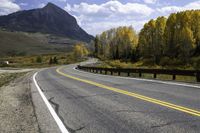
{"x": 173, "y": 122}
{"x": 56, "y": 106}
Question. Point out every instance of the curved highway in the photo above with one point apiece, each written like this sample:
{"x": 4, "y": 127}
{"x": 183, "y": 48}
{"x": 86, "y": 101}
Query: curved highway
{"x": 92, "y": 103}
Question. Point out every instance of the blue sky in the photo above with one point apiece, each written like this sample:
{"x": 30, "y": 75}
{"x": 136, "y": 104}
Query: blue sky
{"x": 96, "y": 16}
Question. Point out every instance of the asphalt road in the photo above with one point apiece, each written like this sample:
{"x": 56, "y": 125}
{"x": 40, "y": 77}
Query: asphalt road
{"x": 89, "y": 103}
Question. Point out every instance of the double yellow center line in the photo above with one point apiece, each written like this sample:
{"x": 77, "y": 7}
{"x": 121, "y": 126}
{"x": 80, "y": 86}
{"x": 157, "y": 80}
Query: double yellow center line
{"x": 142, "y": 97}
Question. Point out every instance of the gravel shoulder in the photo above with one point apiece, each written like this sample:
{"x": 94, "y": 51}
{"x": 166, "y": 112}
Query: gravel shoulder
{"x": 13, "y": 70}
{"x": 17, "y": 113}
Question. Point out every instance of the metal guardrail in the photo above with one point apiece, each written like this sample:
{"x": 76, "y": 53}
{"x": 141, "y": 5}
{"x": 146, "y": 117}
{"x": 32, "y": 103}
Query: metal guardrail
{"x": 155, "y": 72}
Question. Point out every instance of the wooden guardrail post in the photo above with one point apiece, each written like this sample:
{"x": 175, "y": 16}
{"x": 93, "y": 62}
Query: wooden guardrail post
{"x": 154, "y": 76}
{"x": 101, "y": 71}
{"x": 118, "y": 73}
{"x": 105, "y": 72}
{"x": 198, "y": 76}
{"x": 174, "y": 77}
{"x": 140, "y": 74}
{"x": 128, "y": 74}
{"x": 111, "y": 72}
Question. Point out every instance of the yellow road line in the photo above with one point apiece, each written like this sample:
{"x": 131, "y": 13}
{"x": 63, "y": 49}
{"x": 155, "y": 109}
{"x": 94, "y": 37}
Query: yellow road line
{"x": 142, "y": 97}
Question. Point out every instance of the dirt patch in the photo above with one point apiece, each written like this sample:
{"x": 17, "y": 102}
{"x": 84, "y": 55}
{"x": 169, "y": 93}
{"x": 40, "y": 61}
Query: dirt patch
{"x": 16, "y": 108}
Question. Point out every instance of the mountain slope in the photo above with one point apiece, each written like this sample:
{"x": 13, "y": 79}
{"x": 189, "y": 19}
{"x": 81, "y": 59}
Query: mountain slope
{"x": 50, "y": 19}
{"x": 21, "y": 43}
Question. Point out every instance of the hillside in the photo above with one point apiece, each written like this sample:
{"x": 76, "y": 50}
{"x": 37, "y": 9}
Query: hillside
{"x": 21, "y": 43}
{"x": 49, "y": 20}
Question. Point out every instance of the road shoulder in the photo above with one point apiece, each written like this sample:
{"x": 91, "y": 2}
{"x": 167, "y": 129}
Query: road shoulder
{"x": 17, "y": 113}
{"x": 45, "y": 120}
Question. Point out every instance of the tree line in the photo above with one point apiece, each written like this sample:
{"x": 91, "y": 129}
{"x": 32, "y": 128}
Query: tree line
{"x": 175, "y": 37}
{"x": 116, "y": 43}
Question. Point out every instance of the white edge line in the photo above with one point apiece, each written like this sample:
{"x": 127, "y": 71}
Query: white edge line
{"x": 53, "y": 113}
{"x": 149, "y": 80}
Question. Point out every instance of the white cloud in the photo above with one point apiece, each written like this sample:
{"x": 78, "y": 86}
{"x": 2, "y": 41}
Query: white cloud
{"x": 41, "y": 5}
{"x": 23, "y": 4}
{"x": 150, "y": 1}
{"x": 109, "y": 8}
{"x": 193, "y": 5}
{"x": 171, "y": 9}
{"x": 8, "y": 6}
{"x": 98, "y": 27}
{"x": 96, "y": 18}
{"x": 62, "y": 0}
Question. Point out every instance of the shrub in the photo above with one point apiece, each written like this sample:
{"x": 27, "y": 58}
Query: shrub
{"x": 196, "y": 63}
{"x": 39, "y": 59}
{"x": 164, "y": 61}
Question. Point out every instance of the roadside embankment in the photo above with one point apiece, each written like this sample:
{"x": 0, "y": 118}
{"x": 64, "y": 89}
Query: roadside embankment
{"x": 16, "y": 108}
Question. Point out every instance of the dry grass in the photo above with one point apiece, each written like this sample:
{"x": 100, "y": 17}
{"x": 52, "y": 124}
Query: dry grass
{"x": 5, "y": 78}
{"x": 31, "y": 61}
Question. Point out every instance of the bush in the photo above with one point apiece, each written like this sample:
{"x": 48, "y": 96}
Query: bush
{"x": 119, "y": 64}
{"x": 39, "y": 59}
{"x": 55, "y": 60}
{"x": 166, "y": 61}
{"x": 196, "y": 63}
{"x": 148, "y": 62}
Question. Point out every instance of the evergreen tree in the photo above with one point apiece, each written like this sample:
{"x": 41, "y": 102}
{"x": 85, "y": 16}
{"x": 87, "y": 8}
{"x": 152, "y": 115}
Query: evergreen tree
{"x": 55, "y": 60}
{"x": 39, "y": 59}
{"x": 50, "y": 61}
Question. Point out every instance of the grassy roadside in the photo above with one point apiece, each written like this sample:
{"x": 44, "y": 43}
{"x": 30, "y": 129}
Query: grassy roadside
{"x": 5, "y": 78}
{"x": 40, "y": 61}
{"x": 145, "y": 64}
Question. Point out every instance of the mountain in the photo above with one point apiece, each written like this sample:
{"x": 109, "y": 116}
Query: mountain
{"x": 50, "y": 20}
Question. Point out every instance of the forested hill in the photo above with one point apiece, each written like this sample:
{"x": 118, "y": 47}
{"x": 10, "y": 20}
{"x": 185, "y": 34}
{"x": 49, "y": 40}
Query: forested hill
{"x": 173, "y": 39}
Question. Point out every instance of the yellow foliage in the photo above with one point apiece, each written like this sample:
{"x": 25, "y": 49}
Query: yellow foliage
{"x": 80, "y": 50}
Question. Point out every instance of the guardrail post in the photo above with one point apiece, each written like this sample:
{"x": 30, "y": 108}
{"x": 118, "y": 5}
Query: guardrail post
{"x": 105, "y": 72}
{"x": 174, "y": 77}
{"x": 154, "y": 76}
{"x": 140, "y": 74}
{"x": 198, "y": 76}
{"x": 128, "y": 74}
{"x": 118, "y": 73}
{"x": 101, "y": 71}
{"x": 111, "y": 72}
